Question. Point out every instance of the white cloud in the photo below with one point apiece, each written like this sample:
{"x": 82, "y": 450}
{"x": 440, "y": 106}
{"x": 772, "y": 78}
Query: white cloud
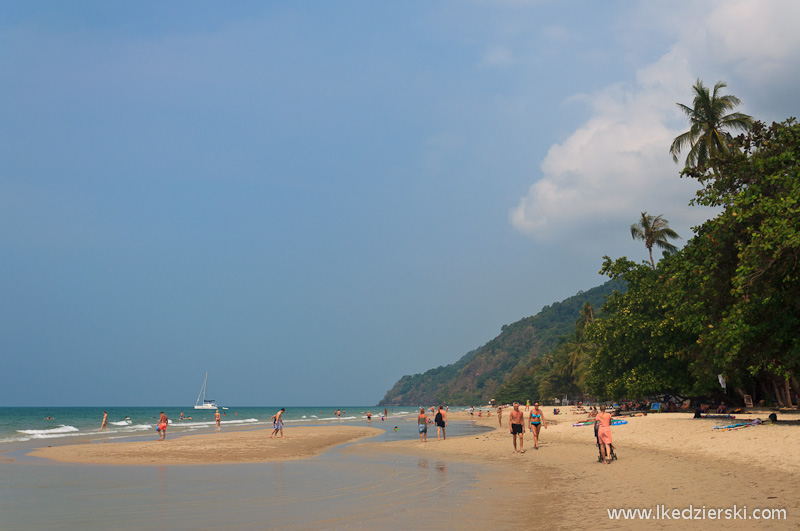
{"x": 617, "y": 163}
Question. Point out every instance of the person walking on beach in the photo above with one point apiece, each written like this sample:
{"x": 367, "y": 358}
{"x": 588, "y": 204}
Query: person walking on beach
{"x": 516, "y": 426}
{"x": 277, "y": 423}
{"x": 500, "y": 415}
{"x": 217, "y": 420}
{"x": 537, "y": 421}
{"x": 603, "y": 423}
{"x": 441, "y": 422}
{"x": 422, "y": 424}
{"x": 162, "y": 426}
{"x": 104, "y": 425}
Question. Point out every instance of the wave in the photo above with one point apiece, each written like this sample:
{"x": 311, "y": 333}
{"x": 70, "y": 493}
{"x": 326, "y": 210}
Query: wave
{"x": 55, "y": 432}
{"x": 137, "y": 427}
{"x": 121, "y": 423}
{"x": 245, "y": 421}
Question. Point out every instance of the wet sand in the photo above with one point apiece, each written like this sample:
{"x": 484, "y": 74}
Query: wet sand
{"x": 663, "y": 459}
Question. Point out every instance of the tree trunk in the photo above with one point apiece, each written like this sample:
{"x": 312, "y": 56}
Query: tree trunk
{"x": 796, "y": 389}
{"x": 788, "y": 390}
{"x": 764, "y": 389}
{"x": 741, "y": 392}
{"x": 778, "y": 394}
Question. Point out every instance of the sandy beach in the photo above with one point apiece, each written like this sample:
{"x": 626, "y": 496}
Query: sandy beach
{"x": 219, "y": 448}
{"x": 667, "y": 460}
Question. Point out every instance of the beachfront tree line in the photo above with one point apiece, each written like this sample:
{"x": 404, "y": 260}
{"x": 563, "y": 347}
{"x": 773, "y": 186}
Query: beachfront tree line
{"x": 725, "y": 307}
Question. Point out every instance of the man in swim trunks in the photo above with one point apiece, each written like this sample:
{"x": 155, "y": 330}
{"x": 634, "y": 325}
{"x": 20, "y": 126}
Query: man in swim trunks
{"x": 162, "y": 426}
{"x": 515, "y": 423}
{"x": 441, "y": 422}
{"x": 277, "y": 423}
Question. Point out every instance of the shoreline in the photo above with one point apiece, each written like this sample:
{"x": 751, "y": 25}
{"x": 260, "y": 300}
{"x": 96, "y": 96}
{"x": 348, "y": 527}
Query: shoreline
{"x": 666, "y": 459}
{"x": 768, "y": 445}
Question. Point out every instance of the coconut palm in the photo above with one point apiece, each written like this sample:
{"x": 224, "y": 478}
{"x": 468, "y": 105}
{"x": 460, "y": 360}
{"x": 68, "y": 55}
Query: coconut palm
{"x": 654, "y": 230}
{"x": 708, "y": 135}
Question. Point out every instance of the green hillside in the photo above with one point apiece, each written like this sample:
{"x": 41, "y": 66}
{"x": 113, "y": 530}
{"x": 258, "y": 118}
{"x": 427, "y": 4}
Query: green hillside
{"x": 476, "y": 377}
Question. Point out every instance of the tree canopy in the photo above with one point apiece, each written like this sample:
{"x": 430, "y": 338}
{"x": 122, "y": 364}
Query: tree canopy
{"x": 728, "y": 303}
{"x": 737, "y": 284}
{"x": 709, "y": 134}
{"x": 654, "y": 230}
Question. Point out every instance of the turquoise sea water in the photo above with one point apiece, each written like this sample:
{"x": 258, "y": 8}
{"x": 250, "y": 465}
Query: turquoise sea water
{"x": 57, "y": 425}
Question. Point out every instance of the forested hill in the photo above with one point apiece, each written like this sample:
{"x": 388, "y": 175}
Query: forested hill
{"x": 475, "y": 377}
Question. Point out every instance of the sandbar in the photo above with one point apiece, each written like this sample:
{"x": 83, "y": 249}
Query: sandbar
{"x": 206, "y": 449}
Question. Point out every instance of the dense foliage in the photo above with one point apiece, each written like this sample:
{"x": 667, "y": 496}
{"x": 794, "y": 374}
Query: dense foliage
{"x": 736, "y": 287}
{"x": 637, "y": 337}
{"x": 481, "y": 374}
{"x": 724, "y": 309}
{"x": 728, "y": 304}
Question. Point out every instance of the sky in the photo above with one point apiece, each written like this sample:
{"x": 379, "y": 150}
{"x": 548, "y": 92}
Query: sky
{"x": 309, "y": 200}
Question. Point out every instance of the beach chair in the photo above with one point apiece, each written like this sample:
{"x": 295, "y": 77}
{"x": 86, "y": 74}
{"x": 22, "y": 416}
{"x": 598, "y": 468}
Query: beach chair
{"x": 655, "y": 406}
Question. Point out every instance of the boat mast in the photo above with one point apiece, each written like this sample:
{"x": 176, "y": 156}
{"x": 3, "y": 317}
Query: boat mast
{"x": 202, "y": 391}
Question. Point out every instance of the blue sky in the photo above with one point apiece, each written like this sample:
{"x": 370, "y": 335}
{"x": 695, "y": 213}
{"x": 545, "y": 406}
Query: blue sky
{"x": 310, "y": 200}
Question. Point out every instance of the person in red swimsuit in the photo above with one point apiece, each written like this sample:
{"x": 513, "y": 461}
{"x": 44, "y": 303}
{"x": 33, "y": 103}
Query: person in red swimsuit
{"x": 162, "y": 426}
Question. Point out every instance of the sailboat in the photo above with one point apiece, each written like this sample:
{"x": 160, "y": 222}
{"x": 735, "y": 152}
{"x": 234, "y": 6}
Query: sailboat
{"x": 202, "y": 402}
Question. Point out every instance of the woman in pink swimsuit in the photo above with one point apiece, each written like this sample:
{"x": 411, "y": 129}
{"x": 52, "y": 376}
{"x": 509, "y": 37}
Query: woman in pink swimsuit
{"x": 604, "y": 433}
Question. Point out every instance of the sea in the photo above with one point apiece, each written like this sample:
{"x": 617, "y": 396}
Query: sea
{"x": 336, "y": 490}
{"x": 59, "y": 424}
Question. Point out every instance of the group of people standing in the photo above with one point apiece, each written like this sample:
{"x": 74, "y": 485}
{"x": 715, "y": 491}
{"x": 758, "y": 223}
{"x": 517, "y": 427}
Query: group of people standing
{"x": 536, "y": 420}
{"x": 440, "y": 420}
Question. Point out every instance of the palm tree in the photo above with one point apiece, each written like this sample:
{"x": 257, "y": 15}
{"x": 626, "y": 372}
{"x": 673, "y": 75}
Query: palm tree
{"x": 654, "y": 230}
{"x": 708, "y": 136}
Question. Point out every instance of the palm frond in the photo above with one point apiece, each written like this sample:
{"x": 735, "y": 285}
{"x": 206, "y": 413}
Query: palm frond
{"x": 708, "y": 121}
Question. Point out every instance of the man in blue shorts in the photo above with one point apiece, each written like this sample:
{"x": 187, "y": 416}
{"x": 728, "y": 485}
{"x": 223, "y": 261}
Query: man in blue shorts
{"x": 277, "y": 423}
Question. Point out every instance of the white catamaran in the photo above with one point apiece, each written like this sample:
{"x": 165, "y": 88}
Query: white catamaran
{"x": 202, "y": 401}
